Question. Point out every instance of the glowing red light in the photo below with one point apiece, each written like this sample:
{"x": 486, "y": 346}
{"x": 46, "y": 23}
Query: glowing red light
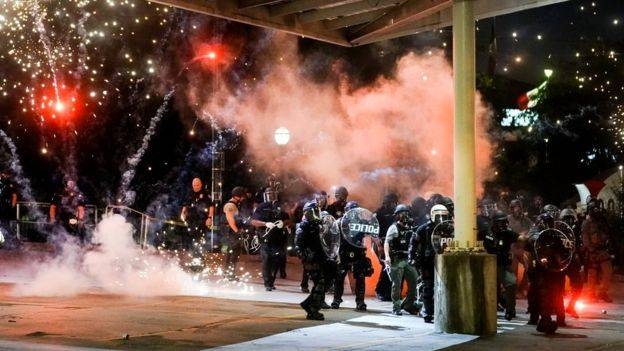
{"x": 59, "y": 106}
{"x": 212, "y": 55}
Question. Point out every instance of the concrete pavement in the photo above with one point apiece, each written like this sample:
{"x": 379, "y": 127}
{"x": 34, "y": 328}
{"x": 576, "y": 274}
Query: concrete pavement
{"x": 233, "y": 316}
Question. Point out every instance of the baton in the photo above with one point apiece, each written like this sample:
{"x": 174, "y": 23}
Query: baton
{"x": 387, "y": 269}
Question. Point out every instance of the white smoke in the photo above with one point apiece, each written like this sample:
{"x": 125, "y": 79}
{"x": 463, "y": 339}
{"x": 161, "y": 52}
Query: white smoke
{"x": 116, "y": 265}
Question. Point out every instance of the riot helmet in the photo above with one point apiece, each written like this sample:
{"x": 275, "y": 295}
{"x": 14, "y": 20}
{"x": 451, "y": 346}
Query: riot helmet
{"x": 499, "y": 221}
{"x": 402, "y": 213}
{"x": 351, "y": 205}
{"x": 270, "y": 195}
{"x": 311, "y": 211}
{"x": 568, "y": 216}
{"x": 439, "y": 213}
{"x": 552, "y": 210}
{"x": 545, "y": 220}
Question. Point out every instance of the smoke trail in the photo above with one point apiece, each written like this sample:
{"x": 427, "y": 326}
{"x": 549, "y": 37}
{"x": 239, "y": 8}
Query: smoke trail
{"x": 16, "y": 167}
{"x": 45, "y": 41}
{"x": 125, "y": 195}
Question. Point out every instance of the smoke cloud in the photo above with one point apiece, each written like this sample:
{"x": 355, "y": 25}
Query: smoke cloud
{"x": 393, "y": 135}
{"x": 116, "y": 265}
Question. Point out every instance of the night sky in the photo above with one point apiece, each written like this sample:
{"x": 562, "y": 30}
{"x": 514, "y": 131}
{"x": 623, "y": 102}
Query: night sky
{"x": 82, "y": 82}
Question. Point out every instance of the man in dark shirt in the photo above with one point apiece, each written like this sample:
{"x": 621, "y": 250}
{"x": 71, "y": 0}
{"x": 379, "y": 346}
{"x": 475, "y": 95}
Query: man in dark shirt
{"x": 8, "y": 202}
{"x": 68, "y": 210}
{"x": 268, "y": 219}
{"x": 197, "y": 212}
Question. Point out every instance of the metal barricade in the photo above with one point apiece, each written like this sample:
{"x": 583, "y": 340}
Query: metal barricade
{"x": 32, "y": 219}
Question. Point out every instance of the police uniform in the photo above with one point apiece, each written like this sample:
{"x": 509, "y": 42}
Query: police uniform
{"x": 313, "y": 257}
{"x": 67, "y": 204}
{"x": 385, "y": 216}
{"x": 197, "y": 206}
{"x": 499, "y": 242}
{"x": 398, "y": 239}
{"x": 351, "y": 259}
{"x": 7, "y": 211}
{"x": 422, "y": 253}
{"x": 272, "y": 241}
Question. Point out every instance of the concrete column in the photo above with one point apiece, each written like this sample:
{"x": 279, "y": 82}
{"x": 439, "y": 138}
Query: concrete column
{"x": 465, "y": 281}
{"x": 464, "y": 174}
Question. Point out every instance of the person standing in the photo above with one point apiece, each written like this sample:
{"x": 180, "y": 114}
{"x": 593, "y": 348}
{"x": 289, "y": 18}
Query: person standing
{"x": 313, "y": 257}
{"x": 498, "y": 241}
{"x": 337, "y": 208}
{"x": 396, "y": 249}
{"x": 8, "y": 200}
{"x": 422, "y": 253}
{"x": 197, "y": 213}
{"x": 385, "y": 216}
{"x": 68, "y": 210}
{"x": 233, "y": 246}
{"x": 268, "y": 219}
{"x": 575, "y": 270}
{"x": 352, "y": 259}
{"x": 595, "y": 233}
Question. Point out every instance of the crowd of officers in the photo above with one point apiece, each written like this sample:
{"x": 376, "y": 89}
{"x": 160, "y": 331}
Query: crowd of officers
{"x": 407, "y": 255}
{"x": 404, "y": 247}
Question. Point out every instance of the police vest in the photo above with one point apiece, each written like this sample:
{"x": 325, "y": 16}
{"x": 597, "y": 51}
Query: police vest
{"x": 400, "y": 244}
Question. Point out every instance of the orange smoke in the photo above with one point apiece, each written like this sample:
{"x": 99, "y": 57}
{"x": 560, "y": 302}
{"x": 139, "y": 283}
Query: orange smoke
{"x": 396, "y": 134}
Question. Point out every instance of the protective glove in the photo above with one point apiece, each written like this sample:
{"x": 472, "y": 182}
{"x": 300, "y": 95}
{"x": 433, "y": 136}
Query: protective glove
{"x": 269, "y": 225}
{"x": 279, "y": 224}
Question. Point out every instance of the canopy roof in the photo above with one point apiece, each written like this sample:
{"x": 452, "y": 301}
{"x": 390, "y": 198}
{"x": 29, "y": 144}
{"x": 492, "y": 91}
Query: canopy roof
{"x": 349, "y": 22}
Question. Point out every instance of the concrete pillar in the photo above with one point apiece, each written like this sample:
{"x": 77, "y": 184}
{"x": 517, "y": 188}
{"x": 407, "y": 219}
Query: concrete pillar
{"x": 464, "y": 174}
{"x": 465, "y": 281}
{"x": 465, "y": 293}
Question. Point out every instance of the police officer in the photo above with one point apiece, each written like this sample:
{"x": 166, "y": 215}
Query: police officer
{"x": 498, "y": 241}
{"x": 423, "y": 253}
{"x": 313, "y": 257}
{"x": 352, "y": 259}
{"x": 197, "y": 213}
{"x": 321, "y": 202}
{"x": 575, "y": 270}
{"x": 396, "y": 248}
{"x": 68, "y": 210}
{"x": 268, "y": 219}
{"x": 595, "y": 233}
{"x": 385, "y": 216}
{"x": 8, "y": 200}
{"x": 546, "y": 289}
{"x": 233, "y": 246}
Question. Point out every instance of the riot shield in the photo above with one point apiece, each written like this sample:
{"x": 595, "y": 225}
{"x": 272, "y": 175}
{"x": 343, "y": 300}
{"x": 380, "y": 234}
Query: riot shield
{"x": 358, "y": 223}
{"x": 566, "y": 230}
{"x": 330, "y": 239}
{"x": 553, "y": 249}
{"x": 442, "y": 235}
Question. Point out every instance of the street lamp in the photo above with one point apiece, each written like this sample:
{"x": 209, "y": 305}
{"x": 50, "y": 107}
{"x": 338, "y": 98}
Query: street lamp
{"x": 282, "y": 136}
{"x": 548, "y": 72}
